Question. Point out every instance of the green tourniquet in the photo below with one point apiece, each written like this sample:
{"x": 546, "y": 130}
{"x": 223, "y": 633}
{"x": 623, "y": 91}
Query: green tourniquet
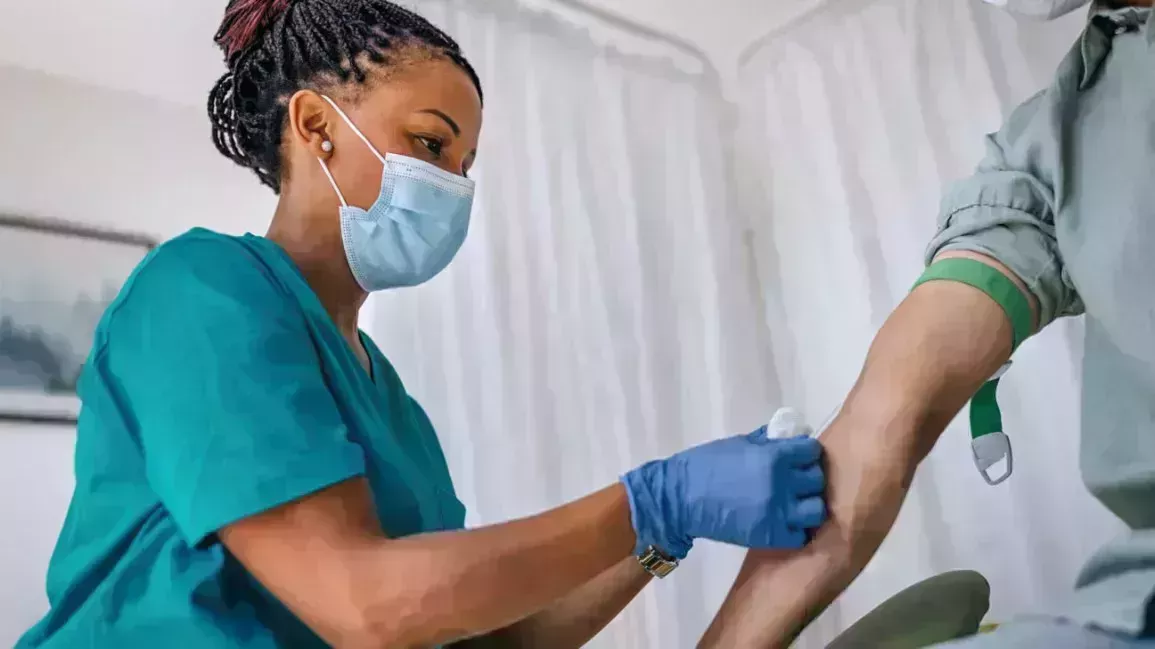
{"x": 990, "y": 281}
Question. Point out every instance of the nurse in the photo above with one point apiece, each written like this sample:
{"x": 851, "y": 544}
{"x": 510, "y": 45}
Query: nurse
{"x": 250, "y": 471}
{"x": 1057, "y": 220}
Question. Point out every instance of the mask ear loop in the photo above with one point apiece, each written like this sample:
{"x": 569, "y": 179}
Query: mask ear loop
{"x": 361, "y": 135}
{"x": 355, "y": 129}
{"x": 333, "y": 182}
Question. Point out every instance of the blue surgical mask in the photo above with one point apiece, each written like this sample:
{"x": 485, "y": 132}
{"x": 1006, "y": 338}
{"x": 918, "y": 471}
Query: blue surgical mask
{"x": 413, "y": 230}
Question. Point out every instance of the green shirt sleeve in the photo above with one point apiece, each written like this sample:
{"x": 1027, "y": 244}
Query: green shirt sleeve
{"x": 1006, "y": 209}
{"x": 218, "y": 376}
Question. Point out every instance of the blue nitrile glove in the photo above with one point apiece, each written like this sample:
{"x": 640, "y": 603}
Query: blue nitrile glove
{"x": 751, "y": 491}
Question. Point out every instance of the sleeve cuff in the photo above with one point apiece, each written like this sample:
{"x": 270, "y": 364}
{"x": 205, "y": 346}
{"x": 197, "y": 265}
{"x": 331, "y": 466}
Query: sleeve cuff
{"x": 1021, "y": 242}
{"x": 257, "y": 497}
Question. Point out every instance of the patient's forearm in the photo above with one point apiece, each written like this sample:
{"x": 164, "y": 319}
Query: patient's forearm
{"x": 930, "y": 357}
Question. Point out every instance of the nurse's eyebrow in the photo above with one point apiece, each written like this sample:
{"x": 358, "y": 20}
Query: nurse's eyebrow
{"x": 448, "y": 120}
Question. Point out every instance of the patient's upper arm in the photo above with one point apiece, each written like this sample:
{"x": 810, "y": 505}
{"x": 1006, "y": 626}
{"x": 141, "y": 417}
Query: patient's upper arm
{"x": 1004, "y": 213}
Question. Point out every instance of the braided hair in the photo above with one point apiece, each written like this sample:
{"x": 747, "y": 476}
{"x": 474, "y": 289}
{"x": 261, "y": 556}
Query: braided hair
{"x": 275, "y": 48}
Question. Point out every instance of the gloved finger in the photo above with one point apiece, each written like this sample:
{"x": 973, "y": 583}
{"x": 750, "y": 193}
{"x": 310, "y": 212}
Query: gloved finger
{"x": 760, "y": 436}
{"x": 810, "y": 481}
{"x": 807, "y": 513}
{"x": 793, "y": 539}
{"x": 800, "y": 452}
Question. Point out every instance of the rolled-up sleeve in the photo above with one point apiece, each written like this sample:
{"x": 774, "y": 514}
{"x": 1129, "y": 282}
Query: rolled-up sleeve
{"x": 1006, "y": 209}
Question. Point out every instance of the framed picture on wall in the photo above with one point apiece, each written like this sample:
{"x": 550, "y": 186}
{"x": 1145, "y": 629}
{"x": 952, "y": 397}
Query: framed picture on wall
{"x": 56, "y": 280}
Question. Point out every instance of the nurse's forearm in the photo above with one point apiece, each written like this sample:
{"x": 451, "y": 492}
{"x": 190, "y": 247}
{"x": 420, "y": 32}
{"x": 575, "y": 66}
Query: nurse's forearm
{"x": 930, "y": 357}
{"x": 325, "y": 558}
{"x": 581, "y": 615}
{"x": 437, "y": 588}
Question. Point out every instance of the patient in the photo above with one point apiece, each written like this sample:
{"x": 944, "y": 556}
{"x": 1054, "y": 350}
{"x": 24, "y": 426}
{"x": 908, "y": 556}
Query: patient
{"x": 1061, "y": 207}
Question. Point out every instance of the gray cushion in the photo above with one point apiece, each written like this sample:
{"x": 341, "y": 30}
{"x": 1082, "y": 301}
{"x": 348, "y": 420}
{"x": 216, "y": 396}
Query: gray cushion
{"x": 940, "y": 609}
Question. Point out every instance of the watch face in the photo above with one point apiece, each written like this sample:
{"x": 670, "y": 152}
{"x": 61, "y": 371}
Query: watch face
{"x": 657, "y": 563}
{"x": 662, "y": 569}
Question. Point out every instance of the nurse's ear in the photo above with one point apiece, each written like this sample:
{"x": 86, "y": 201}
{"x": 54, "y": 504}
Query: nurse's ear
{"x": 311, "y": 124}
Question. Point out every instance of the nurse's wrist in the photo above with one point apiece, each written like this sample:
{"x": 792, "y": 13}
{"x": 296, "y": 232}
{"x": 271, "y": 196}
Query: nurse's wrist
{"x": 651, "y": 517}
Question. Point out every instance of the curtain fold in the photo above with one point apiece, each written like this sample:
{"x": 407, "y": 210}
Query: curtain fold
{"x": 600, "y": 314}
{"x": 852, "y": 123}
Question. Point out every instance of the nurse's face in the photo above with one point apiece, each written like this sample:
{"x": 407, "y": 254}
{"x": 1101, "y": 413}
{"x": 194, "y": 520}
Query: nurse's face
{"x": 428, "y": 110}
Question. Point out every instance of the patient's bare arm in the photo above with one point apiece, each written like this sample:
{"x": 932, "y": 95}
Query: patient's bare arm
{"x": 941, "y": 344}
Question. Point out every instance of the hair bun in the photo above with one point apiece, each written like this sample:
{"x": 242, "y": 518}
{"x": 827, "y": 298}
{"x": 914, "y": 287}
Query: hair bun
{"x": 244, "y": 21}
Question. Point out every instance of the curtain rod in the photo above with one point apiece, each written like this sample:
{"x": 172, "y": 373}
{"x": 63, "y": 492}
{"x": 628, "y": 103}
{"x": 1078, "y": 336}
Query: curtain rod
{"x": 625, "y": 24}
{"x": 762, "y": 40}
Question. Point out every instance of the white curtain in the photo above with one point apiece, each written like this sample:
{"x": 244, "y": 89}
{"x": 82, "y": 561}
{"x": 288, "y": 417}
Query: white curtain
{"x": 601, "y": 313}
{"x": 852, "y": 122}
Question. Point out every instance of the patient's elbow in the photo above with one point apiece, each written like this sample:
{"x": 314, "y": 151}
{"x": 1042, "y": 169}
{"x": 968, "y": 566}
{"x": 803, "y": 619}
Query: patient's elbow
{"x": 867, "y": 481}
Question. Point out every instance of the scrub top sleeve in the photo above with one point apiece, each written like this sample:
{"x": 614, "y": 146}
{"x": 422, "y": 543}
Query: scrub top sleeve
{"x": 1005, "y": 210}
{"x": 218, "y": 375}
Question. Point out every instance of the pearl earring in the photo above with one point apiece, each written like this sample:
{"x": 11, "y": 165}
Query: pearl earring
{"x": 327, "y": 146}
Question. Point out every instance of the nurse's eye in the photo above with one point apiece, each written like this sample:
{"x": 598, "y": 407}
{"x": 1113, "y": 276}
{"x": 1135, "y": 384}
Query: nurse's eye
{"x": 431, "y": 144}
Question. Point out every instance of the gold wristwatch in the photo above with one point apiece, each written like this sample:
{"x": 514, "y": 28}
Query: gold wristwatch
{"x": 657, "y": 563}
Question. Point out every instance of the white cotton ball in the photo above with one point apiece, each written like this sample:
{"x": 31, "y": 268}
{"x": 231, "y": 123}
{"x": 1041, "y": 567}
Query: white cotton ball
{"x": 787, "y": 422}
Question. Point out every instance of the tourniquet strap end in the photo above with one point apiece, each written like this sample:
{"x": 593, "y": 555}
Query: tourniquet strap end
{"x": 989, "y": 444}
{"x": 989, "y": 450}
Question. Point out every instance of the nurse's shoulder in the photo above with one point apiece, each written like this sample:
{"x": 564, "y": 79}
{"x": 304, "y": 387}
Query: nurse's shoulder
{"x": 196, "y": 273}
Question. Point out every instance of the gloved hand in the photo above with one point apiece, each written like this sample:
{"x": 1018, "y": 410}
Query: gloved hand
{"x": 751, "y": 491}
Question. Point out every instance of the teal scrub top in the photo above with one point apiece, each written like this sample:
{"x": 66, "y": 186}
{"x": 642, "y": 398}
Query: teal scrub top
{"x": 218, "y": 387}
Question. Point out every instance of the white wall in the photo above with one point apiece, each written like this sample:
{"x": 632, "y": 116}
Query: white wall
{"x": 103, "y": 47}
{"x": 117, "y": 160}
{"x": 720, "y": 28}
